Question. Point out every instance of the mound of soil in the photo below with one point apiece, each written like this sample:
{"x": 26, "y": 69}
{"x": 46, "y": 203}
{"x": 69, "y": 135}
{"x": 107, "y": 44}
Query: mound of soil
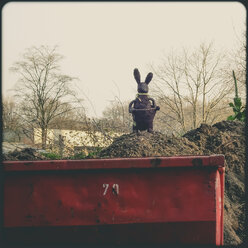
{"x": 24, "y": 154}
{"x": 226, "y": 137}
{"x": 146, "y": 144}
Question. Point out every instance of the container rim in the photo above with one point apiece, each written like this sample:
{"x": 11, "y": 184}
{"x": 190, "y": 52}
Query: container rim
{"x": 217, "y": 160}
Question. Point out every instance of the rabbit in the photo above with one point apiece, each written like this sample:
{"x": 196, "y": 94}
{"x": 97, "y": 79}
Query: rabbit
{"x": 144, "y": 107}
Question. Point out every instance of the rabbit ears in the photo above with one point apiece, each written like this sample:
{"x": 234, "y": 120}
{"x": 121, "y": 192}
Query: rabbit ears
{"x": 137, "y": 76}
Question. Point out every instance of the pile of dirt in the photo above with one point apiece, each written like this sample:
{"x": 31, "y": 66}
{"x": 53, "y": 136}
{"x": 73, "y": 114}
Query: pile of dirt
{"x": 226, "y": 137}
{"x": 147, "y": 144}
{"x": 23, "y": 154}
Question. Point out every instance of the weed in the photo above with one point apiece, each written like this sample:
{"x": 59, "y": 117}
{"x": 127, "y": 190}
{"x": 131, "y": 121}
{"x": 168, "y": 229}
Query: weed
{"x": 52, "y": 156}
{"x": 238, "y": 109}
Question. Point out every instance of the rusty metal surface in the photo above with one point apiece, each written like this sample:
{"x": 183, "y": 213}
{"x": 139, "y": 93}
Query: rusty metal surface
{"x": 219, "y": 201}
{"x": 86, "y": 164}
{"x": 119, "y": 201}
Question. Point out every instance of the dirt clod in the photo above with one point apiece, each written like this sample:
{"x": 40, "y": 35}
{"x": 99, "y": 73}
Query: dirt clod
{"x": 24, "y": 154}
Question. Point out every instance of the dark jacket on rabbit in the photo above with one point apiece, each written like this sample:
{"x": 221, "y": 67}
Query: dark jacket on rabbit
{"x": 144, "y": 107}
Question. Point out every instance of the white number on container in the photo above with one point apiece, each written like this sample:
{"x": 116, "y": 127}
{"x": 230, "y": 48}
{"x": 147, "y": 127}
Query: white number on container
{"x": 115, "y": 188}
{"x": 105, "y": 185}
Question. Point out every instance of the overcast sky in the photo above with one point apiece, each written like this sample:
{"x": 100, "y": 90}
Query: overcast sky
{"x": 104, "y": 41}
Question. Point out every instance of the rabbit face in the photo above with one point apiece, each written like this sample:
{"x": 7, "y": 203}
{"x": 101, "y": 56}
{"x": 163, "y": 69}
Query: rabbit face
{"x": 142, "y": 87}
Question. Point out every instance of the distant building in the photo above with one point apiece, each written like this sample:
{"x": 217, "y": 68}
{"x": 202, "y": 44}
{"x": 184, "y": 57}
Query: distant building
{"x": 73, "y": 138}
{"x": 10, "y": 136}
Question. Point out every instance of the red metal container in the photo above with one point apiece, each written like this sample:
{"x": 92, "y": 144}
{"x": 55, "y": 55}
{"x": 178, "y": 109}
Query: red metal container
{"x": 176, "y": 200}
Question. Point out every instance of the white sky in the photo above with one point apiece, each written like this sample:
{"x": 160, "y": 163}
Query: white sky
{"x": 104, "y": 41}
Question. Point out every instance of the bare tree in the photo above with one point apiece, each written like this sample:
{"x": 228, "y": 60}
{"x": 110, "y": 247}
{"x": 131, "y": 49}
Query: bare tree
{"x": 11, "y": 119}
{"x": 42, "y": 90}
{"x": 117, "y": 117}
{"x": 192, "y": 79}
{"x": 169, "y": 74}
{"x": 73, "y": 119}
{"x": 238, "y": 63}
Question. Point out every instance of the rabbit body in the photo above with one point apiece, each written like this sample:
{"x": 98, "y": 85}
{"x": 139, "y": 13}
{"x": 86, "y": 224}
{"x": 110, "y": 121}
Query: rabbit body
{"x": 144, "y": 107}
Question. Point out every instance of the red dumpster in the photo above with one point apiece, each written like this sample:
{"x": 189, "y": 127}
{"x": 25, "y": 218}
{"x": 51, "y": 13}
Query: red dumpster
{"x": 155, "y": 200}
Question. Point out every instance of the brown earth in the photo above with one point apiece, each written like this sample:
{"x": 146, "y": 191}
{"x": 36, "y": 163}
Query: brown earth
{"x": 226, "y": 137}
{"x": 24, "y": 154}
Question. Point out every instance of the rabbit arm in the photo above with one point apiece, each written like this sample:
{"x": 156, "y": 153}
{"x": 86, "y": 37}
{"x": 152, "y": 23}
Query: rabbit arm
{"x": 153, "y": 103}
{"x": 130, "y": 106}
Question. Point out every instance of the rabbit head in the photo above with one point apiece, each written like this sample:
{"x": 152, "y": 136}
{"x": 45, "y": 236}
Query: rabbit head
{"x": 142, "y": 86}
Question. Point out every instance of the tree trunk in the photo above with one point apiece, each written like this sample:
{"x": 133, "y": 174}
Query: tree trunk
{"x": 203, "y": 103}
{"x": 61, "y": 145}
{"x": 194, "y": 114}
{"x": 43, "y": 137}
